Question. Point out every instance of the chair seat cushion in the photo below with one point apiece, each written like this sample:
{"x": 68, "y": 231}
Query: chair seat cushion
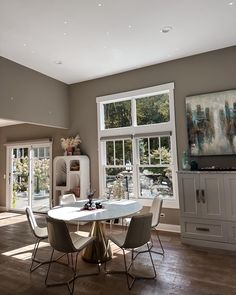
{"x": 118, "y": 239}
{"x": 80, "y": 242}
{"x": 41, "y": 232}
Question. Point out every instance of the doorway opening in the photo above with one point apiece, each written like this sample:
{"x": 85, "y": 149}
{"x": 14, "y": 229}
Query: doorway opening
{"x": 29, "y": 176}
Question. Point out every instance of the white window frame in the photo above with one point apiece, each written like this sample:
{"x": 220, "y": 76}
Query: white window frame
{"x": 29, "y": 145}
{"x": 138, "y": 131}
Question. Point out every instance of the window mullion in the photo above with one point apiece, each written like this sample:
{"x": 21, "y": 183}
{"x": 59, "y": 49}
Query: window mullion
{"x": 149, "y": 157}
{"x": 114, "y": 151}
{"x": 159, "y": 138}
{"x": 133, "y": 112}
{"x": 135, "y": 149}
{"x": 123, "y": 148}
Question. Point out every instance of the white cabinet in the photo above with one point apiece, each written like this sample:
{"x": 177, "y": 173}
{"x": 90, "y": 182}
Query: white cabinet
{"x": 70, "y": 174}
{"x": 208, "y": 208}
{"x": 230, "y": 192}
{"x": 202, "y": 195}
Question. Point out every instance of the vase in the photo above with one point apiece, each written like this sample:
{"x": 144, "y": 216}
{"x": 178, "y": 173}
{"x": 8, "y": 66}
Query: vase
{"x": 69, "y": 151}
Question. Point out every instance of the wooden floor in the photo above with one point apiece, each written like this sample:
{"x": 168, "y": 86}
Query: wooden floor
{"x": 183, "y": 269}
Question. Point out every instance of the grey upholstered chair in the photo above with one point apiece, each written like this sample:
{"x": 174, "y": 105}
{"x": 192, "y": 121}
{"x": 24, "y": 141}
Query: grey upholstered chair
{"x": 137, "y": 235}
{"x": 64, "y": 241}
{"x": 40, "y": 234}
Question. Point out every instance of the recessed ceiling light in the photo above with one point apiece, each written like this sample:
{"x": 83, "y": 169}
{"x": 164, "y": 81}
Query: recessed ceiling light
{"x": 58, "y": 62}
{"x": 65, "y": 22}
{"x": 130, "y": 27}
{"x": 99, "y": 4}
{"x": 64, "y": 33}
{"x": 231, "y": 3}
{"x": 166, "y": 29}
{"x": 24, "y": 44}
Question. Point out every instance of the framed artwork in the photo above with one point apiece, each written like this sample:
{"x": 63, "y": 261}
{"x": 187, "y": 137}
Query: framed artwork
{"x": 211, "y": 123}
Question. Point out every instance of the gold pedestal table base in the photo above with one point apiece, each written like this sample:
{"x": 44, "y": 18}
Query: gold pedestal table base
{"x": 99, "y": 250}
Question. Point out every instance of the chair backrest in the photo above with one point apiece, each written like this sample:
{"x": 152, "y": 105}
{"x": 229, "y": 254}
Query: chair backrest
{"x": 139, "y": 231}
{"x": 31, "y": 219}
{"x": 156, "y": 210}
{"x": 67, "y": 199}
{"x": 58, "y": 236}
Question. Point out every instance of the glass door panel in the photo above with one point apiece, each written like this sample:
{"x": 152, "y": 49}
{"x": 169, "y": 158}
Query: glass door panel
{"x": 30, "y": 177}
{"x": 19, "y": 178}
{"x": 40, "y": 178}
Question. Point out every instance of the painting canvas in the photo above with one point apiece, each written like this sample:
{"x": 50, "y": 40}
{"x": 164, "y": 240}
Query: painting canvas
{"x": 211, "y": 123}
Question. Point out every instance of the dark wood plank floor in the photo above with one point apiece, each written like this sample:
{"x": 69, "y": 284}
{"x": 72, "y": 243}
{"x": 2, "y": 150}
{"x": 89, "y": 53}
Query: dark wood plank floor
{"x": 183, "y": 270}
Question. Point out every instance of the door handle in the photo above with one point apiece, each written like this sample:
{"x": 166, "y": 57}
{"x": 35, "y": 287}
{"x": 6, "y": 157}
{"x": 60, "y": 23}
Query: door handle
{"x": 203, "y": 196}
{"x": 198, "y": 196}
{"x": 202, "y": 229}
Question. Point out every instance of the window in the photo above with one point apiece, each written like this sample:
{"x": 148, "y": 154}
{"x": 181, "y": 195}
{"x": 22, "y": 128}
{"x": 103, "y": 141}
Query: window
{"x": 136, "y": 134}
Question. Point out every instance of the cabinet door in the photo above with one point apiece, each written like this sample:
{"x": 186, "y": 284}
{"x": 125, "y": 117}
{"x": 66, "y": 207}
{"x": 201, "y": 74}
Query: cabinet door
{"x": 189, "y": 194}
{"x": 212, "y": 196}
{"x": 230, "y": 196}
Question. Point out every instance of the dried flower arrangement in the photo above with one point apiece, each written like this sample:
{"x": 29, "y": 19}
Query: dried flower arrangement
{"x": 70, "y": 142}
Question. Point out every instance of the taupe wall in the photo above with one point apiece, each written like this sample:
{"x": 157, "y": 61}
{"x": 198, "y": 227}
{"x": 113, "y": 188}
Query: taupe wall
{"x": 25, "y": 132}
{"x": 29, "y": 96}
{"x": 35, "y": 95}
{"x": 208, "y": 72}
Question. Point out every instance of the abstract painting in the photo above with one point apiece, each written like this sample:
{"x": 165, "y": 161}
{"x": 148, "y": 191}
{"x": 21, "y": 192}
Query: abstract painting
{"x": 211, "y": 123}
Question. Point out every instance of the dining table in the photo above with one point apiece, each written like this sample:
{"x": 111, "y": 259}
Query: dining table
{"x": 100, "y": 250}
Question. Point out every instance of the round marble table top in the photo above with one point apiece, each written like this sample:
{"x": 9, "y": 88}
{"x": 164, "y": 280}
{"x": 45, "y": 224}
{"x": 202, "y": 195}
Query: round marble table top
{"x": 112, "y": 209}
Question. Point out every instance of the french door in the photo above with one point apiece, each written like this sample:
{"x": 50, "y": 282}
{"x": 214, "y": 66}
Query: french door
{"x": 29, "y": 176}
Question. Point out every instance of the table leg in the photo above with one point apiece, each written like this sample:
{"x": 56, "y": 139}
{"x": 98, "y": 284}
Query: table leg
{"x": 99, "y": 250}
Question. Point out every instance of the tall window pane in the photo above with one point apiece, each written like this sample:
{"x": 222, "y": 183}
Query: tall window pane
{"x": 143, "y": 151}
{"x": 117, "y": 114}
{"x": 110, "y": 152}
{"x": 154, "y": 150}
{"x": 165, "y": 150}
{"x": 128, "y": 152}
{"x": 119, "y": 152}
{"x": 153, "y": 109}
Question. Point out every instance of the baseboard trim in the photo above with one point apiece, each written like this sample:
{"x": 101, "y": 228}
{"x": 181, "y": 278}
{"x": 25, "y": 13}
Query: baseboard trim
{"x": 2, "y": 209}
{"x": 169, "y": 227}
{"x": 209, "y": 244}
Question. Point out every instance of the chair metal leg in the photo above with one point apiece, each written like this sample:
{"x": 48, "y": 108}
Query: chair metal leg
{"x": 73, "y": 266}
{"x": 49, "y": 266}
{"x": 162, "y": 249}
{"x": 34, "y": 259}
{"x": 129, "y": 284}
{"x": 129, "y": 276}
{"x": 151, "y": 248}
{"x": 153, "y": 266}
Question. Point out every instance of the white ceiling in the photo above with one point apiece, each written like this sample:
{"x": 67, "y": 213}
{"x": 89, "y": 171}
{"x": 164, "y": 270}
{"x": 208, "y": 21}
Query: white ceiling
{"x": 96, "y": 38}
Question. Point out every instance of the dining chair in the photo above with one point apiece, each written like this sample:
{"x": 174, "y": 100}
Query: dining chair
{"x": 155, "y": 209}
{"x": 40, "y": 234}
{"x": 67, "y": 199}
{"x": 68, "y": 243}
{"x": 137, "y": 235}
{"x": 156, "y": 215}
